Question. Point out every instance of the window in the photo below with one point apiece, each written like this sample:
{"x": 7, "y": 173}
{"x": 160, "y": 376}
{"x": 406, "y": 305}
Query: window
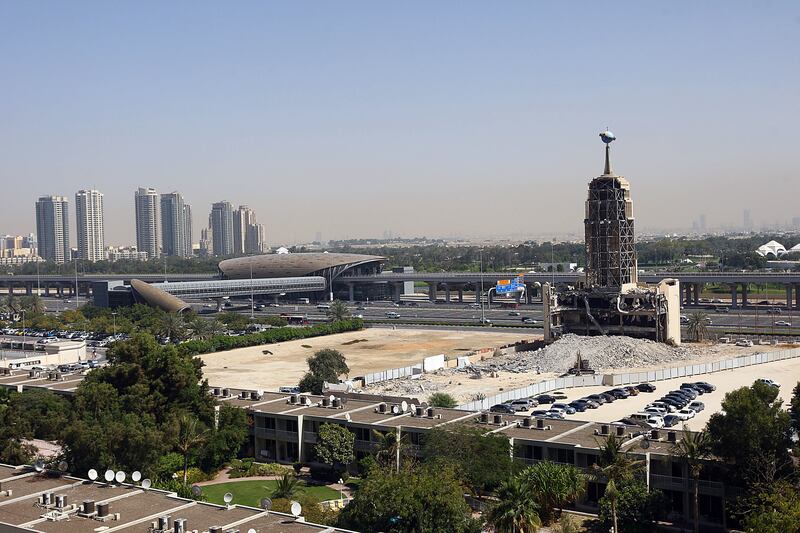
{"x": 291, "y": 425}
{"x": 363, "y": 434}
{"x": 267, "y": 422}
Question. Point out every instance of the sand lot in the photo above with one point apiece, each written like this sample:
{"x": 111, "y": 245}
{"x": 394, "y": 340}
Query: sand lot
{"x": 369, "y": 350}
{"x": 786, "y": 372}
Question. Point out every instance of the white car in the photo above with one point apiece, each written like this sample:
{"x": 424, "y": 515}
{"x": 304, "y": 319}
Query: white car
{"x": 783, "y": 323}
{"x": 771, "y": 383}
{"x": 662, "y": 405}
{"x": 685, "y": 413}
{"x": 660, "y": 411}
{"x": 744, "y": 343}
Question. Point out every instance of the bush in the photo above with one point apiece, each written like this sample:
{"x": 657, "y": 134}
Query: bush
{"x": 193, "y": 475}
{"x": 442, "y": 399}
{"x": 220, "y": 343}
{"x": 176, "y": 486}
{"x": 249, "y": 468}
{"x": 167, "y": 465}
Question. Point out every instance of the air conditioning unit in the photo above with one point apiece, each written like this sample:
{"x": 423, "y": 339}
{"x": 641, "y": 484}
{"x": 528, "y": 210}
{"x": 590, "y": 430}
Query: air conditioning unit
{"x": 484, "y": 418}
{"x": 604, "y": 429}
{"x": 164, "y": 522}
{"x": 215, "y": 529}
{"x": 540, "y": 423}
{"x": 497, "y": 419}
{"x": 293, "y": 398}
{"x": 226, "y": 393}
{"x": 527, "y": 421}
{"x": 87, "y": 508}
{"x": 254, "y": 395}
{"x": 102, "y": 510}
{"x": 243, "y": 395}
{"x": 217, "y": 391}
{"x": 620, "y": 431}
{"x": 419, "y": 411}
{"x": 382, "y": 407}
{"x": 430, "y": 412}
{"x": 179, "y": 526}
{"x": 672, "y": 436}
{"x": 337, "y": 403}
{"x": 46, "y": 499}
{"x": 303, "y": 400}
{"x": 655, "y": 434}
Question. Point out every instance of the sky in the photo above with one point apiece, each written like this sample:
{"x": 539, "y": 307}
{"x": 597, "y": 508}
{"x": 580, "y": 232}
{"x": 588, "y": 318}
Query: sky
{"x": 450, "y": 118}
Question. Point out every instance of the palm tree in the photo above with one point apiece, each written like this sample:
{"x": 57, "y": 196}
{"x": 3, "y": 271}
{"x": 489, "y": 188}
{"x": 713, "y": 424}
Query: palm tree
{"x": 190, "y": 435}
{"x": 172, "y": 326}
{"x": 338, "y": 311}
{"x": 32, "y": 304}
{"x": 11, "y": 304}
{"x": 693, "y": 449}
{"x": 205, "y": 329}
{"x": 517, "y": 511}
{"x": 553, "y": 485}
{"x": 697, "y": 326}
{"x": 286, "y": 487}
{"x": 389, "y": 449}
{"x": 615, "y": 467}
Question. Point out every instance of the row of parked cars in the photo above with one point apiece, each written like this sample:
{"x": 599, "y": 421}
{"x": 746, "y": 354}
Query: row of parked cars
{"x": 674, "y": 407}
{"x": 92, "y": 339}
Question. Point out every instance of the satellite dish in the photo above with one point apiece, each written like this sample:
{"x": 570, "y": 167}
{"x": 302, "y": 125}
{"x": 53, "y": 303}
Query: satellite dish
{"x": 251, "y": 530}
{"x": 120, "y": 476}
{"x": 228, "y": 498}
{"x": 404, "y": 406}
{"x": 266, "y": 504}
{"x": 63, "y": 466}
{"x": 196, "y": 490}
{"x": 92, "y": 474}
{"x": 331, "y": 398}
{"x": 395, "y": 410}
{"x": 296, "y": 508}
{"x": 347, "y": 417}
{"x": 136, "y": 476}
{"x": 109, "y": 475}
{"x": 146, "y": 484}
{"x": 38, "y": 465}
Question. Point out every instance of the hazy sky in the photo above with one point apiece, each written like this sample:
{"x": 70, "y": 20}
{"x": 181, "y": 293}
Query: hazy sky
{"x": 423, "y": 118}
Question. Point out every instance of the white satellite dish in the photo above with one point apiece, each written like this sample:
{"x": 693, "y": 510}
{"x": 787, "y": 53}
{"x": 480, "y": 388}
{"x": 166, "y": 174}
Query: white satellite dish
{"x": 228, "y": 498}
{"x": 403, "y": 406}
{"x": 120, "y": 476}
{"x": 92, "y": 474}
{"x": 347, "y": 417}
{"x": 331, "y": 398}
{"x": 251, "y": 530}
{"x": 146, "y": 484}
{"x": 63, "y": 466}
{"x": 109, "y": 475}
{"x": 266, "y": 504}
{"x": 413, "y": 408}
{"x": 296, "y": 508}
{"x": 38, "y": 465}
{"x": 196, "y": 490}
{"x": 395, "y": 410}
{"x": 136, "y": 476}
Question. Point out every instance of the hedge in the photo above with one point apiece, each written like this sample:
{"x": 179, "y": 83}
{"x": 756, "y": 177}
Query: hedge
{"x": 221, "y": 343}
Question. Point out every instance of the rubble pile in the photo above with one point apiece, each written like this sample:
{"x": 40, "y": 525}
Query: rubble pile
{"x": 602, "y": 352}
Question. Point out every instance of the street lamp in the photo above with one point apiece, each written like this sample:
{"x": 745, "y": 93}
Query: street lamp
{"x": 23, "y": 332}
{"x": 114, "y": 318}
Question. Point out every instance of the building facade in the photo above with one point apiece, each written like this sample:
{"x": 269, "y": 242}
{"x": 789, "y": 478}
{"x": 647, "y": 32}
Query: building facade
{"x": 173, "y": 225}
{"x": 221, "y": 223}
{"x": 52, "y": 228}
{"x": 89, "y": 216}
{"x": 146, "y": 205}
{"x": 188, "y": 238}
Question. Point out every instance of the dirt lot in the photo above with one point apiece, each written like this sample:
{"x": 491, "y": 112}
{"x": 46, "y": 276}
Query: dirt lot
{"x": 366, "y": 351}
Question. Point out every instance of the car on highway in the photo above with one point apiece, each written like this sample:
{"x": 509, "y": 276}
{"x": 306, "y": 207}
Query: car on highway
{"x": 485, "y": 321}
{"x": 513, "y": 313}
{"x": 529, "y": 320}
{"x": 646, "y": 387}
{"x": 671, "y": 420}
{"x": 392, "y": 314}
{"x": 771, "y": 383}
{"x": 697, "y": 406}
{"x": 685, "y": 414}
{"x": 708, "y": 387}
{"x": 474, "y": 306}
{"x": 502, "y": 408}
{"x": 783, "y": 323}
{"x": 361, "y": 308}
{"x": 744, "y": 343}
{"x": 579, "y": 406}
{"x": 568, "y": 409}
{"x": 546, "y": 398}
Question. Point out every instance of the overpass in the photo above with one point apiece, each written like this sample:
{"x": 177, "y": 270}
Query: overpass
{"x": 691, "y": 282}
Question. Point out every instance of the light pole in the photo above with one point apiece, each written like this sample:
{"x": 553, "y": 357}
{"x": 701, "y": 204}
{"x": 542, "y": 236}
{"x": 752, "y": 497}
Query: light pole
{"x": 252, "y": 294}
{"x": 480, "y": 293}
{"x": 114, "y": 318}
{"x": 23, "y": 332}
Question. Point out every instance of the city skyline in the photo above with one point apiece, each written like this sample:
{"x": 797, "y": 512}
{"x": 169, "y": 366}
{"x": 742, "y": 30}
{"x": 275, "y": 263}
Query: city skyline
{"x": 272, "y": 106}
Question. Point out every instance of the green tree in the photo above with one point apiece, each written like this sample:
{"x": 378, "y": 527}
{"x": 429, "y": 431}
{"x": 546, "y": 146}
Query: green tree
{"x": 46, "y": 414}
{"x": 173, "y": 327}
{"x": 481, "y": 461}
{"x": 190, "y": 435}
{"x": 752, "y": 432}
{"x": 205, "y": 329}
{"x": 286, "y": 487}
{"x": 324, "y": 366}
{"x": 415, "y": 499}
{"x": 516, "y": 510}
{"x": 225, "y": 438}
{"x": 338, "y": 311}
{"x": 616, "y": 468}
{"x": 633, "y": 509}
{"x": 553, "y": 486}
{"x": 694, "y": 449}
{"x": 442, "y": 399}
{"x": 335, "y": 446}
{"x": 697, "y": 326}
{"x": 772, "y": 508}
{"x": 388, "y": 448}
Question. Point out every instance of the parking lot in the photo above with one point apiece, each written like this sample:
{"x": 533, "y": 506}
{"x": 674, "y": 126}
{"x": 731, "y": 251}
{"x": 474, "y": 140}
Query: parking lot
{"x": 786, "y": 372}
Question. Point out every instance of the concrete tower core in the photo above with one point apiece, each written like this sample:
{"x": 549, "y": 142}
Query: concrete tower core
{"x": 610, "y": 300}
{"x": 609, "y": 238}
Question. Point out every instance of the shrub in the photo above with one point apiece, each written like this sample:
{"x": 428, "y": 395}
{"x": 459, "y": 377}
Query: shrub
{"x": 442, "y": 399}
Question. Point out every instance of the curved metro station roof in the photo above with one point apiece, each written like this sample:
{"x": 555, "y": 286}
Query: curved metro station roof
{"x": 297, "y": 264}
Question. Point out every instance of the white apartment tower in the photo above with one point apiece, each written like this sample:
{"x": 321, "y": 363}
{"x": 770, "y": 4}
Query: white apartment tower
{"x": 89, "y": 215}
{"x": 52, "y": 228}
{"x": 147, "y": 238}
{"x": 176, "y": 225}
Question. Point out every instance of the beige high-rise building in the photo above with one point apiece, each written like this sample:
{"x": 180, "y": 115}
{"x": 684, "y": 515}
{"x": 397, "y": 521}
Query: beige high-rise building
{"x": 52, "y": 228}
{"x": 146, "y": 205}
{"x": 89, "y": 216}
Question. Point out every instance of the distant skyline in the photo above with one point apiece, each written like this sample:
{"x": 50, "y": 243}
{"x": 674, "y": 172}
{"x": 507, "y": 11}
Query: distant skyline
{"x": 439, "y": 119}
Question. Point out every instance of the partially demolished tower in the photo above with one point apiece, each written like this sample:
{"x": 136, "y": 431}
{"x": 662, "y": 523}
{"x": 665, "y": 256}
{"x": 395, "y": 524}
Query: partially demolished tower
{"x": 610, "y": 301}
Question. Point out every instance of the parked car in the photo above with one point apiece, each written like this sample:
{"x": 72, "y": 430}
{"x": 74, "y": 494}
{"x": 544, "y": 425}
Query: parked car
{"x": 632, "y": 391}
{"x": 691, "y": 393}
{"x": 591, "y": 404}
{"x": 694, "y": 386}
{"x": 619, "y": 394}
{"x": 555, "y": 414}
{"x": 671, "y": 420}
{"x": 655, "y": 410}
{"x": 546, "y": 398}
{"x": 685, "y": 414}
{"x": 568, "y": 409}
{"x": 708, "y": 387}
{"x": 597, "y": 398}
{"x": 771, "y": 383}
{"x": 503, "y": 408}
{"x": 608, "y": 397}
{"x": 579, "y": 406}
{"x": 627, "y": 421}
{"x": 558, "y": 395}
{"x": 744, "y": 343}
{"x": 521, "y": 405}
{"x": 539, "y": 412}
{"x": 669, "y": 408}
{"x": 697, "y": 406}
{"x": 684, "y": 393}
{"x": 646, "y": 387}
{"x": 654, "y": 421}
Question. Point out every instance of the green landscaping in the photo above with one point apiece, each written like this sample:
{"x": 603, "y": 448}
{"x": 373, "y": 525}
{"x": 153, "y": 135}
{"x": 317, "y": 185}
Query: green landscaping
{"x": 253, "y": 491}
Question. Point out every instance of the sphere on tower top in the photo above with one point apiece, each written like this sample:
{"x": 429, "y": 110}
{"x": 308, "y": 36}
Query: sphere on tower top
{"x": 607, "y": 137}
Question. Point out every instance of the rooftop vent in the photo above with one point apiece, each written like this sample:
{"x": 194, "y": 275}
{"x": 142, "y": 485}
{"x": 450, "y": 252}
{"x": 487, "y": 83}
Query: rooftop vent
{"x": 226, "y": 392}
{"x": 655, "y": 434}
{"x": 604, "y": 429}
{"x": 620, "y": 431}
{"x": 527, "y": 421}
{"x": 179, "y": 526}
{"x": 102, "y": 510}
{"x": 497, "y": 419}
{"x": 484, "y": 418}
{"x": 293, "y": 398}
{"x": 672, "y": 436}
{"x": 430, "y": 412}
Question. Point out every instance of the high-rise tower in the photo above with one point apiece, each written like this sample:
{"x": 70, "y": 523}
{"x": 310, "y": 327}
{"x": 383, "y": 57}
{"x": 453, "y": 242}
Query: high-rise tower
{"x": 174, "y": 232}
{"x": 89, "y": 215}
{"x": 221, "y": 223}
{"x": 610, "y": 243}
{"x": 52, "y": 228}
{"x": 147, "y": 238}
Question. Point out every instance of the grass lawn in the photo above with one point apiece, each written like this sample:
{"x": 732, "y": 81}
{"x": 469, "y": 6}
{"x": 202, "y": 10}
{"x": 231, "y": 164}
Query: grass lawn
{"x": 251, "y": 492}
